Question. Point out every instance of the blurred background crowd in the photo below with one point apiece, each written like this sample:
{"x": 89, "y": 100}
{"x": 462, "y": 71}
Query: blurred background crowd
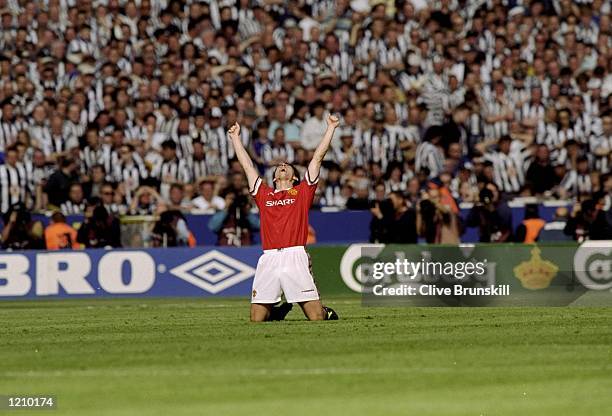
{"x": 112, "y": 107}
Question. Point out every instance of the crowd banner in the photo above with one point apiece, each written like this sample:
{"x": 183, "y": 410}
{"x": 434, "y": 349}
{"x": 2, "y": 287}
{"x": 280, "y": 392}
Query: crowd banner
{"x": 440, "y": 275}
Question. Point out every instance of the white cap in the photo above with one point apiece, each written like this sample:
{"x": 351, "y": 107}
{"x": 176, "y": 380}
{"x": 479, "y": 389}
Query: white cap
{"x": 216, "y": 112}
{"x": 516, "y": 11}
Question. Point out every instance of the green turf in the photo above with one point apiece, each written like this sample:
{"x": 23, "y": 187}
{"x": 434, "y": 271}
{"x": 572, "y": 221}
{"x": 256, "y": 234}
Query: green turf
{"x": 201, "y": 357}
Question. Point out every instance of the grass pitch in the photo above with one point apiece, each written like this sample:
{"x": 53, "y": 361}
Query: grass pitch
{"x": 202, "y": 357}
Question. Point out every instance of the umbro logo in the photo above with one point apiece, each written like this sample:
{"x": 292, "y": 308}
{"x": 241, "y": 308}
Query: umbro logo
{"x": 213, "y": 271}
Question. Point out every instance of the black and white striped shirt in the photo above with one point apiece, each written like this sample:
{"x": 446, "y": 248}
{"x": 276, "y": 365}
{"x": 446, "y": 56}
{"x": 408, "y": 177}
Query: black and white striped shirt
{"x": 499, "y": 128}
{"x": 13, "y": 186}
{"x": 332, "y": 196}
{"x": 130, "y": 174}
{"x": 166, "y": 126}
{"x": 272, "y": 151}
{"x": 508, "y": 171}
{"x": 530, "y": 111}
{"x": 73, "y": 208}
{"x": 341, "y": 64}
{"x": 73, "y": 131}
{"x": 600, "y": 142}
{"x": 184, "y": 145}
{"x": 372, "y": 146}
{"x": 217, "y": 140}
{"x": 8, "y": 133}
{"x": 36, "y": 175}
{"x": 577, "y": 183}
{"x": 100, "y": 156}
{"x": 40, "y": 133}
{"x": 198, "y": 168}
{"x": 431, "y": 157}
{"x": 355, "y": 158}
{"x": 169, "y": 172}
{"x": 57, "y": 144}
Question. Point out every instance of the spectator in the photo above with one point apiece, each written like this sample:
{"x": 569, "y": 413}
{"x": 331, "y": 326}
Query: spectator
{"x": 13, "y": 181}
{"x": 109, "y": 198}
{"x": 58, "y": 185}
{"x": 177, "y": 199}
{"x": 207, "y": 201}
{"x": 508, "y": 166}
{"x": 170, "y": 169}
{"x": 146, "y": 201}
{"x": 332, "y": 197}
{"x": 235, "y": 225}
{"x": 314, "y": 127}
{"x": 129, "y": 170}
{"x": 541, "y": 177}
{"x": 75, "y": 205}
{"x": 429, "y": 153}
{"x": 92, "y": 187}
{"x": 577, "y": 182}
{"x": 59, "y": 235}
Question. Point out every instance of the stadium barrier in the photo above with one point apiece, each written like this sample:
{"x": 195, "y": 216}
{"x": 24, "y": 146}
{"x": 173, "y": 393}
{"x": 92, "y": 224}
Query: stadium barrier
{"x": 331, "y": 227}
{"x": 338, "y": 270}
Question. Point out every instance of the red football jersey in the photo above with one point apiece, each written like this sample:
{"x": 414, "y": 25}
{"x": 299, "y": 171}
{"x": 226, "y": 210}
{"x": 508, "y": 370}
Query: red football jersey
{"x": 284, "y": 214}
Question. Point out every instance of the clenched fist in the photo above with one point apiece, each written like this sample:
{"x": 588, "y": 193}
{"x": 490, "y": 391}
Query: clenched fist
{"x": 234, "y": 131}
{"x": 333, "y": 120}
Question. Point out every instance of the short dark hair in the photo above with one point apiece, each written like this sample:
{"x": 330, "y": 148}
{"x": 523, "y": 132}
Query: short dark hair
{"x": 168, "y": 144}
{"x": 58, "y": 217}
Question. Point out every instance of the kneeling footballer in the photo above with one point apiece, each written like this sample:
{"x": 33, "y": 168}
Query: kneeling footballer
{"x": 284, "y": 267}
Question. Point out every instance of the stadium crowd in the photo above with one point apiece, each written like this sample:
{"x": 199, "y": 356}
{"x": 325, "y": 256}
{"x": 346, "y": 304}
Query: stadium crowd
{"x": 124, "y": 105}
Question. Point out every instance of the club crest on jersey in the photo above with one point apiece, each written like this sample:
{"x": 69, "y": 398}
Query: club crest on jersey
{"x": 292, "y": 192}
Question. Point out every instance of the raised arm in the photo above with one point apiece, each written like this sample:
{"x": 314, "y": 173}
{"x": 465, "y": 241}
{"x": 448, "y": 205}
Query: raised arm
{"x": 315, "y": 164}
{"x": 243, "y": 156}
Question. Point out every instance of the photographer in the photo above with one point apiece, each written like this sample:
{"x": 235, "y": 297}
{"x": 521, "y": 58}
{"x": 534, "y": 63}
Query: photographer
{"x": 100, "y": 230}
{"x": 235, "y": 224}
{"x": 20, "y": 232}
{"x": 171, "y": 231}
{"x": 492, "y": 216}
{"x": 393, "y": 221}
{"x": 436, "y": 220}
{"x": 588, "y": 221}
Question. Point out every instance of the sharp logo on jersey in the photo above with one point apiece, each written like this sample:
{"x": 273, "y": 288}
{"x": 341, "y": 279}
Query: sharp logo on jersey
{"x": 287, "y": 201}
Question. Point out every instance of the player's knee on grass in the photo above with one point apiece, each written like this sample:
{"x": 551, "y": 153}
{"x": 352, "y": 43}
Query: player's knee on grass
{"x": 313, "y": 310}
{"x": 260, "y": 312}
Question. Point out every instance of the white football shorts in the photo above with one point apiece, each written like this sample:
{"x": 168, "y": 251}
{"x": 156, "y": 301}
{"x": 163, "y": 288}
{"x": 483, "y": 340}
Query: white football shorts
{"x": 284, "y": 270}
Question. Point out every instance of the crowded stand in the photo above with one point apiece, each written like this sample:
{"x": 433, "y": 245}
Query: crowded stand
{"x": 452, "y": 112}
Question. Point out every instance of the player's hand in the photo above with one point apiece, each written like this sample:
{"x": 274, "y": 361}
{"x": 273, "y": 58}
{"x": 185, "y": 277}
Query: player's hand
{"x": 333, "y": 120}
{"x": 234, "y": 131}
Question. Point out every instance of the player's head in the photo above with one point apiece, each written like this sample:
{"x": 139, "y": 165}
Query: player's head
{"x": 286, "y": 172}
